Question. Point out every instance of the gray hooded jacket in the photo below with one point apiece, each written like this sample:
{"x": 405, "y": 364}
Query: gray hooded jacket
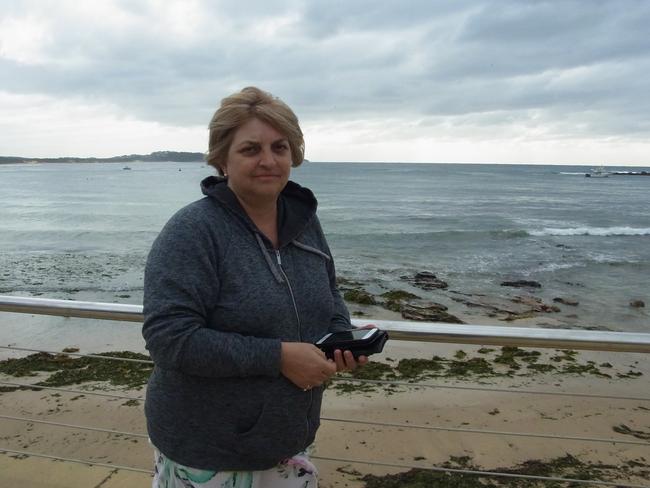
{"x": 218, "y": 301}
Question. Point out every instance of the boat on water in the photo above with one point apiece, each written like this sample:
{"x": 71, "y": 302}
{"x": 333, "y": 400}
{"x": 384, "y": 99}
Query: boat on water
{"x": 599, "y": 172}
{"x": 126, "y": 168}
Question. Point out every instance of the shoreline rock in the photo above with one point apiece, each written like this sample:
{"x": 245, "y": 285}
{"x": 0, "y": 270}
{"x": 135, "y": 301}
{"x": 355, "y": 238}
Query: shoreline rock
{"x": 428, "y": 305}
{"x": 435, "y": 312}
{"x": 395, "y": 299}
{"x": 522, "y": 284}
{"x": 359, "y": 296}
{"x": 427, "y": 281}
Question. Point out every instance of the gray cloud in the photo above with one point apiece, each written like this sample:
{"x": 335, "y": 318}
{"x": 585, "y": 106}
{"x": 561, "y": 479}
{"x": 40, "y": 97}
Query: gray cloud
{"x": 582, "y": 67}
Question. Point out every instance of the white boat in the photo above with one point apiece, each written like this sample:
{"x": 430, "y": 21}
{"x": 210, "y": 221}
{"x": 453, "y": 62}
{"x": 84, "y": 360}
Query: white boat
{"x": 599, "y": 172}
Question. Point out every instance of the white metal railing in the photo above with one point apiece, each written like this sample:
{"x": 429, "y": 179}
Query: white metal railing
{"x": 399, "y": 330}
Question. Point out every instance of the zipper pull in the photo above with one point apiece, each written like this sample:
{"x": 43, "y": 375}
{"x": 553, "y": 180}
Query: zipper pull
{"x": 277, "y": 255}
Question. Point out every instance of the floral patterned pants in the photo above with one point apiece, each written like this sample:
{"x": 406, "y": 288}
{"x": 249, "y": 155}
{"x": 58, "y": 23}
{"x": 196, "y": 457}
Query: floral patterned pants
{"x": 296, "y": 472}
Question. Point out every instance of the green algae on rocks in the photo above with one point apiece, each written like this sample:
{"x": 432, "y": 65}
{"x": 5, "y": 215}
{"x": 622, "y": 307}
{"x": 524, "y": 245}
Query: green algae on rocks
{"x": 399, "y": 295}
{"x": 359, "y": 296}
{"x": 394, "y": 299}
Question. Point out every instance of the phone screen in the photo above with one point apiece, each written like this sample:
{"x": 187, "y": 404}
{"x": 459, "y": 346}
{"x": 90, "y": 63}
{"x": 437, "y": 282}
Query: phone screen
{"x": 352, "y": 335}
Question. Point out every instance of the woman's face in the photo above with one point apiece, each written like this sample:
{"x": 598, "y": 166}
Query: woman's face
{"x": 258, "y": 162}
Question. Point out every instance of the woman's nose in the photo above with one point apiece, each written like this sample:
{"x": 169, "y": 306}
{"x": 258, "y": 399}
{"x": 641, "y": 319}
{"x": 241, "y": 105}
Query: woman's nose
{"x": 266, "y": 157}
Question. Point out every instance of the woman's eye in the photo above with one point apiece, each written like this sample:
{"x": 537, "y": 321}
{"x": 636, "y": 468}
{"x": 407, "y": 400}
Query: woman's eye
{"x": 281, "y": 147}
{"x": 248, "y": 150}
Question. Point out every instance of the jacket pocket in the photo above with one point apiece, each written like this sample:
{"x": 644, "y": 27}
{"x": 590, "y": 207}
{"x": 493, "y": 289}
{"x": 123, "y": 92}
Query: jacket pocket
{"x": 247, "y": 427}
{"x": 280, "y": 429}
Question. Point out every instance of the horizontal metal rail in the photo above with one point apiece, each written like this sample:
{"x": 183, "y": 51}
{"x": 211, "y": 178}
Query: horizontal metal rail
{"x": 324, "y": 458}
{"x": 333, "y": 419}
{"x": 484, "y": 431}
{"x": 74, "y": 426}
{"x": 488, "y": 474}
{"x": 362, "y": 422}
{"x": 70, "y": 308}
{"x": 517, "y": 391}
{"x": 114, "y": 467}
{"x": 399, "y": 330}
{"x": 27, "y": 386}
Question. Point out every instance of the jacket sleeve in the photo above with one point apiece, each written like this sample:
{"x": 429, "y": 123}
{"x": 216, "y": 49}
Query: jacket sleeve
{"x": 340, "y": 316}
{"x": 180, "y": 284}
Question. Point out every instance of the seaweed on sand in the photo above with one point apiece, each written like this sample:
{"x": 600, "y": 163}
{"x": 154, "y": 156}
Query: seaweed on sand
{"x": 67, "y": 370}
{"x": 566, "y": 466}
{"x": 508, "y": 361}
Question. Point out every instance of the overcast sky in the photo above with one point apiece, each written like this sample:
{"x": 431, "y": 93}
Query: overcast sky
{"x": 431, "y": 81}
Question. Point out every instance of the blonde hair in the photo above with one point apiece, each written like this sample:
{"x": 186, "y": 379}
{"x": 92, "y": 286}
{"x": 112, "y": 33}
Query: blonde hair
{"x": 239, "y": 108}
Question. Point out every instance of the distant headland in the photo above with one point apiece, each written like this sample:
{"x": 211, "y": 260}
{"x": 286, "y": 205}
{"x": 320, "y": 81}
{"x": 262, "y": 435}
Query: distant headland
{"x": 157, "y": 156}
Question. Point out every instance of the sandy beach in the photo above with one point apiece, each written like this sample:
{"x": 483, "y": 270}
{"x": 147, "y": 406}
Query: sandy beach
{"x": 444, "y": 406}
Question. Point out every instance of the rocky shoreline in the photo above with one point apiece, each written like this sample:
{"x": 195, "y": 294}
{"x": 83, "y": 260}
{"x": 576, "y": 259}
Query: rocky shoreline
{"x": 157, "y": 156}
{"x": 427, "y": 297}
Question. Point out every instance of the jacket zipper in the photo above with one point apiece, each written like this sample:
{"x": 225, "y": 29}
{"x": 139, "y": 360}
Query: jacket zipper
{"x": 293, "y": 300}
{"x": 295, "y": 308}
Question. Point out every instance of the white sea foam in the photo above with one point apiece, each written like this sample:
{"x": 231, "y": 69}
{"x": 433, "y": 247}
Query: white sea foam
{"x": 550, "y": 267}
{"x": 592, "y": 231}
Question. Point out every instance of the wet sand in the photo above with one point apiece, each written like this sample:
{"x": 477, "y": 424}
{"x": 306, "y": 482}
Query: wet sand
{"x": 417, "y": 405}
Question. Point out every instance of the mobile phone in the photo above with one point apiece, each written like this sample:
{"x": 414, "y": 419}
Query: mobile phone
{"x": 360, "y": 342}
{"x": 348, "y": 336}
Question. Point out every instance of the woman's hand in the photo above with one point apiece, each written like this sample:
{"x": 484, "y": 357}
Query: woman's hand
{"x": 345, "y": 360}
{"x": 305, "y": 365}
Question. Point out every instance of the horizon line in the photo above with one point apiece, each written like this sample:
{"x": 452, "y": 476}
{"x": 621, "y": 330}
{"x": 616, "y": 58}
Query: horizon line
{"x": 510, "y": 163}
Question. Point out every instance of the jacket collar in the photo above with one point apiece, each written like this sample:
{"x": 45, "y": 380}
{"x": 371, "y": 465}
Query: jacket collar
{"x": 296, "y": 207}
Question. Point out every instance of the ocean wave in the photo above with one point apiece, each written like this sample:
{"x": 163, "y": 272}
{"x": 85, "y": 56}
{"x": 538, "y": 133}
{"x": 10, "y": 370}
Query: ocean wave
{"x": 70, "y": 288}
{"x": 551, "y": 267}
{"x": 591, "y": 231}
{"x": 515, "y": 233}
{"x": 441, "y": 234}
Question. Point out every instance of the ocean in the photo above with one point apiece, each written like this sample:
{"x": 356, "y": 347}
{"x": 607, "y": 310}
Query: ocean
{"x": 82, "y": 231}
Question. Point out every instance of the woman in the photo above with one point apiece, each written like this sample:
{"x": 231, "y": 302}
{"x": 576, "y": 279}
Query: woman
{"x": 238, "y": 287}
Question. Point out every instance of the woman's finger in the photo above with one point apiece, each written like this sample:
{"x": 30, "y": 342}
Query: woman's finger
{"x": 338, "y": 359}
{"x": 350, "y": 362}
{"x": 368, "y": 326}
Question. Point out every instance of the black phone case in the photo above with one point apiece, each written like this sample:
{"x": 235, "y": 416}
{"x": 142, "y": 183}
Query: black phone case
{"x": 358, "y": 348}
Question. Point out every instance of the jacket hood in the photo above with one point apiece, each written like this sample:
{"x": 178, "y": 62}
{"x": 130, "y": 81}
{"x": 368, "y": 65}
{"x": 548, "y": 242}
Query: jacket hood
{"x": 296, "y": 207}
